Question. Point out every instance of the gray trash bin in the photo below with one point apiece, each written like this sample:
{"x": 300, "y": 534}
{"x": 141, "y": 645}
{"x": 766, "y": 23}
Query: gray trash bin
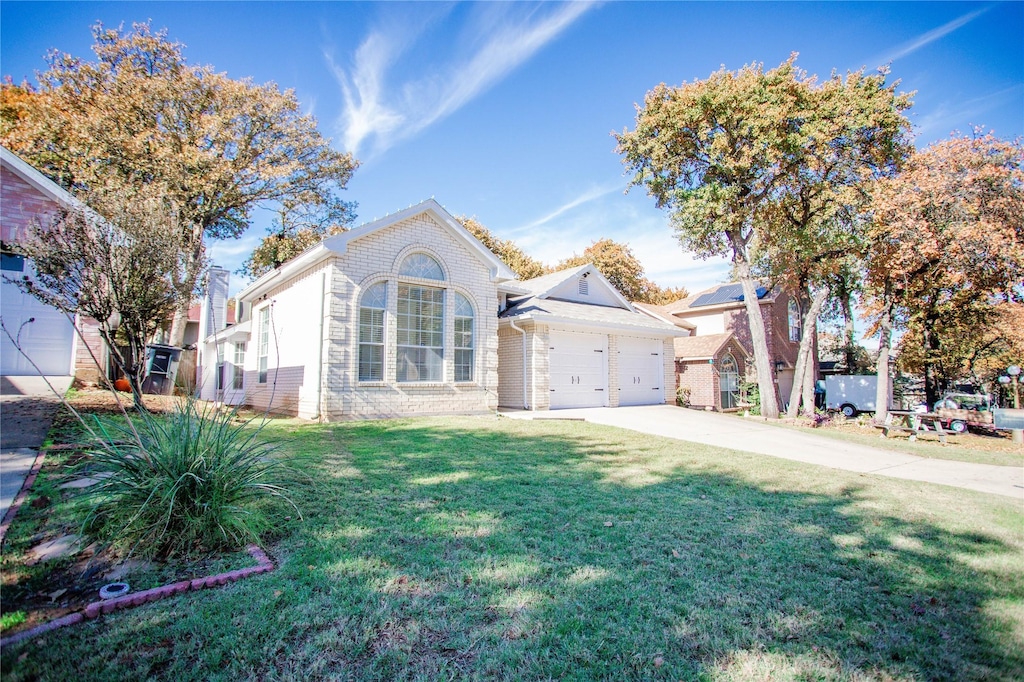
{"x": 161, "y": 368}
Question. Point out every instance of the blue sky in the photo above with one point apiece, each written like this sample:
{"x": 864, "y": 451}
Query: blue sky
{"x": 505, "y": 111}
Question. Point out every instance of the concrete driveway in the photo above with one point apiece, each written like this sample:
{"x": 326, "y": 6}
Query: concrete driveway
{"x": 27, "y": 408}
{"x": 751, "y": 435}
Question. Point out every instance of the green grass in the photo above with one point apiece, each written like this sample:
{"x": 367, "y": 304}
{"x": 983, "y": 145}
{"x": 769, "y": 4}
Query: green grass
{"x": 966, "y": 447}
{"x": 485, "y": 548}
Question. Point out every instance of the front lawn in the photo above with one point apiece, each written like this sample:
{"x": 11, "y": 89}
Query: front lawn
{"x": 492, "y": 548}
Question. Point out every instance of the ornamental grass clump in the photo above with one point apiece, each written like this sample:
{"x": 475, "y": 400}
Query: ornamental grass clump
{"x": 192, "y": 481}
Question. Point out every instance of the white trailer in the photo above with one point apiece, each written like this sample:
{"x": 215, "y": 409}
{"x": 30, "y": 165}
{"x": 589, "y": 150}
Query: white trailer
{"x": 851, "y": 394}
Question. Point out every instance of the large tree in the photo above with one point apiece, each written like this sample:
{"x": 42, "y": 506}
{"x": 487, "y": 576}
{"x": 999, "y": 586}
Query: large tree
{"x": 623, "y": 270}
{"x": 115, "y": 260}
{"x": 946, "y": 252}
{"x": 755, "y": 157}
{"x": 139, "y": 115}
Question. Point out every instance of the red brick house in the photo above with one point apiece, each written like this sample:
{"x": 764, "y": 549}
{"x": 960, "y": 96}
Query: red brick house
{"x": 27, "y": 197}
{"x": 719, "y": 345}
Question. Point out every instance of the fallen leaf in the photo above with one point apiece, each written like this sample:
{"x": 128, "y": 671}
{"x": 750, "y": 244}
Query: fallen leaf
{"x": 608, "y": 524}
{"x": 54, "y": 596}
{"x": 676, "y": 554}
{"x": 278, "y": 593}
{"x": 658, "y": 661}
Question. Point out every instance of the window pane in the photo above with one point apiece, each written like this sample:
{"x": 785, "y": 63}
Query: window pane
{"x": 371, "y": 362}
{"x": 463, "y": 364}
{"x": 419, "y": 364}
{"x": 422, "y": 266}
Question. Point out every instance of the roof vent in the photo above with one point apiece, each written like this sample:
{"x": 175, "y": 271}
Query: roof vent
{"x": 584, "y": 288}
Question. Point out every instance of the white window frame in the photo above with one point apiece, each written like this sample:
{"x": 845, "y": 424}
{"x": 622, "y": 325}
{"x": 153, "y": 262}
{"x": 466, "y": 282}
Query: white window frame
{"x": 367, "y": 340}
{"x": 263, "y": 347}
{"x": 238, "y": 379}
{"x": 460, "y": 334}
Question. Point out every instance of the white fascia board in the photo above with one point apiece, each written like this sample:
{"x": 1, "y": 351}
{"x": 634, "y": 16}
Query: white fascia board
{"x": 498, "y": 270}
{"x": 303, "y": 261}
{"x": 232, "y": 333}
{"x": 672, "y": 331}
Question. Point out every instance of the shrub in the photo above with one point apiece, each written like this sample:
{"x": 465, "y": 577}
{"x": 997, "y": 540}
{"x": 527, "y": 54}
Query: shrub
{"x": 182, "y": 483}
{"x": 683, "y": 396}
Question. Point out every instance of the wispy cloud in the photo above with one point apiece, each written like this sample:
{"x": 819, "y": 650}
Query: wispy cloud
{"x": 963, "y": 115}
{"x": 381, "y": 113}
{"x": 585, "y": 198}
{"x": 925, "y": 39}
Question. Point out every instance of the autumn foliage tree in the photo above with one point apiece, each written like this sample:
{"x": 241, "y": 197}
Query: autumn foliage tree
{"x": 757, "y": 157}
{"x": 525, "y": 266}
{"x": 140, "y": 116}
{"x": 946, "y": 252}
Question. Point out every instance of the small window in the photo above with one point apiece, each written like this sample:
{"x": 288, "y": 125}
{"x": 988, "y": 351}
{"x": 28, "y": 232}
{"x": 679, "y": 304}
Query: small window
{"x": 263, "y": 350}
{"x": 371, "y": 332}
{"x": 238, "y": 380}
{"x": 584, "y": 288}
{"x": 794, "y": 321}
{"x": 729, "y": 382}
{"x": 463, "y": 338}
{"x": 421, "y": 266}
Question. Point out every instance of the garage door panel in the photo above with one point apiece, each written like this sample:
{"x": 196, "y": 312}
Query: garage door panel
{"x": 48, "y": 339}
{"x": 578, "y": 369}
{"x": 641, "y": 371}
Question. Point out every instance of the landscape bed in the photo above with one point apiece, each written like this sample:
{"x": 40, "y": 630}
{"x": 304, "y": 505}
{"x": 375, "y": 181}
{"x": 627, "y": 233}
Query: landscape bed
{"x": 505, "y": 549}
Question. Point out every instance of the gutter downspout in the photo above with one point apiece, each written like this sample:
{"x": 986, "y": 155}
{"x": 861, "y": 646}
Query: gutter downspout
{"x": 512, "y": 323}
{"x": 320, "y": 350}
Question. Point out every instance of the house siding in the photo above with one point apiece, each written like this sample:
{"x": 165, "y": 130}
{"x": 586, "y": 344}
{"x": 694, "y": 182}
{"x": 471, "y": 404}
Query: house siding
{"x": 292, "y": 371}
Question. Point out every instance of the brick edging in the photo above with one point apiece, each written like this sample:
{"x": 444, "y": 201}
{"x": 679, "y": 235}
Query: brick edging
{"x": 19, "y": 499}
{"x": 98, "y": 608}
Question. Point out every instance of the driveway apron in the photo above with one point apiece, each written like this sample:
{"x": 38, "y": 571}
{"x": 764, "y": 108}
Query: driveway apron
{"x": 750, "y": 435}
{"x": 27, "y": 408}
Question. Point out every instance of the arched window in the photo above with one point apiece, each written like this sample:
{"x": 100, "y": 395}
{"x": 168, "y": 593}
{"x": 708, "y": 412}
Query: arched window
{"x": 463, "y": 341}
{"x": 794, "y": 321}
{"x": 421, "y": 266}
{"x": 729, "y": 382}
{"x": 371, "y": 332}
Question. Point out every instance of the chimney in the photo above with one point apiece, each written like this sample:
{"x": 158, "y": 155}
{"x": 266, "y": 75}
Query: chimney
{"x": 213, "y": 315}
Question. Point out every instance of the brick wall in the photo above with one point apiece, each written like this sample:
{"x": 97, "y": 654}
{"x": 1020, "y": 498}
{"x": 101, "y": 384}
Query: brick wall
{"x": 378, "y": 257}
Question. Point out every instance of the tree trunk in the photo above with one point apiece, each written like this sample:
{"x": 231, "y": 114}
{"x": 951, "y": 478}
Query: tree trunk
{"x": 179, "y": 322}
{"x": 193, "y": 266}
{"x": 849, "y": 342}
{"x": 882, "y": 390}
{"x": 759, "y": 340}
{"x": 804, "y": 357}
{"x": 931, "y": 352}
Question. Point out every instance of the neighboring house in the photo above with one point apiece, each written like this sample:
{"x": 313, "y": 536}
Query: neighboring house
{"x": 574, "y": 341}
{"x": 412, "y": 315}
{"x": 718, "y": 352}
{"x": 28, "y": 198}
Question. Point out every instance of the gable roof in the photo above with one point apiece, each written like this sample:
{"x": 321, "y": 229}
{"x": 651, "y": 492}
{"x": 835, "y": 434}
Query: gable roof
{"x": 338, "y": 244}
{"x": 543, "y": 305}
{"x": 703, "y": 347}
{"x": 546, "y": 286}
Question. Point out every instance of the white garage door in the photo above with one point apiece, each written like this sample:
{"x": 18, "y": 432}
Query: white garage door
{"x": 641, "y": 371}
{"x": 578, "y": 366}
{"x": 48, "y": 339}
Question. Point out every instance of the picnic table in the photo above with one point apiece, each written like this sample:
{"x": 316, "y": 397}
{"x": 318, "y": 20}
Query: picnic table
{"x": 908, "y": 421}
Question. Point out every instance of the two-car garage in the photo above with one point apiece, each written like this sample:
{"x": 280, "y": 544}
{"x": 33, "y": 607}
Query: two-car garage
{"x": 582, "y": 366}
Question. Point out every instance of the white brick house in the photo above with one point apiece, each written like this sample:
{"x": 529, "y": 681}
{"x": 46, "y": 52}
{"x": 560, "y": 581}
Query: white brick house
{"x": 399, "y": 317}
